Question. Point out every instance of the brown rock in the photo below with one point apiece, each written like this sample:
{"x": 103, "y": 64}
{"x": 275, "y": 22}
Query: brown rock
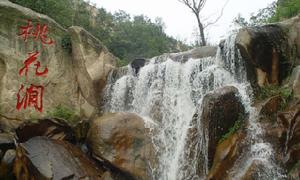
{"x": 271, "y": 105}
{"x": 226, "y": 154}
{"x": 42, "y": 158}
{"x": 289, "y": 123}
{"x": 221, "y": 109}
{"x": 122, "y": 139}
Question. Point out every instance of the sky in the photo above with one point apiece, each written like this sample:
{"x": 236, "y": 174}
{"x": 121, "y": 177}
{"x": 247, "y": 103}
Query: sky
{"x": 179, "y": 20}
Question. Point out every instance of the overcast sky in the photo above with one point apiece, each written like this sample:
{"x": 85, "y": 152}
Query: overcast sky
{"x": 180, "y": 22}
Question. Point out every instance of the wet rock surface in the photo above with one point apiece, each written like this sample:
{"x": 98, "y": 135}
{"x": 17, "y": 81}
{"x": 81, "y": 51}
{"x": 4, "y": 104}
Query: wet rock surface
{"x": 221, "y": 109}
{"x": 227, "y": 152}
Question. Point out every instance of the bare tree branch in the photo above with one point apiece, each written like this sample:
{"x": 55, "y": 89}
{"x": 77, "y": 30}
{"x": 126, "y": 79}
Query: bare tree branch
{"x": 197, "y": 6}
{"x": 218, "y": 18}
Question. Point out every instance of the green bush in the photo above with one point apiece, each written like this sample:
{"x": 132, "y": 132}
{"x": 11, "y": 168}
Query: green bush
{"x": 64, "y": 113}
{"x": 66, "y": 43}
{"x": 121, "y": 63}
{"x": 271, "y": 90}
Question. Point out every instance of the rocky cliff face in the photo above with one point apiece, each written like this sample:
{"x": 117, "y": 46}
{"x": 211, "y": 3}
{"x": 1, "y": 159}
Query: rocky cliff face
{"x": 270, "y": 51}
{"x": 74, "y": 79}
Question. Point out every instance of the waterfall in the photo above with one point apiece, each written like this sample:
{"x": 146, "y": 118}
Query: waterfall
{"x": 166, "y": 93}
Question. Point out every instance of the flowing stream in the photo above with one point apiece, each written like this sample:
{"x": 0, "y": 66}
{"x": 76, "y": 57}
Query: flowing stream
{"x": 166, "y": 93}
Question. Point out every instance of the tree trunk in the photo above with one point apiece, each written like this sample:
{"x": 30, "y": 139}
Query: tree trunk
{"x": 201, "y": 31}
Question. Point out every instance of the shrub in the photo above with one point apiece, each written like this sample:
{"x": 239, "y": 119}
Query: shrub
{"x": 271, "y": 90}
{"x": 64, "y": 113}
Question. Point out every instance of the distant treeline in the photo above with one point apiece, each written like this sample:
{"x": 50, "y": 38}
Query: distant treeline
{"x": 276, "y": 11}
{"x": 125, "y": 36}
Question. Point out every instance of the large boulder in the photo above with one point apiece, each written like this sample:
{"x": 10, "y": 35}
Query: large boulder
{"x": 92, "y": 63}
{"x": 122, "y": 139}
{"x": 221, "y": 109}
{"x": 42, "y": 158}
{"x": 266, "y": 52}
{"x": 74, "y": 79}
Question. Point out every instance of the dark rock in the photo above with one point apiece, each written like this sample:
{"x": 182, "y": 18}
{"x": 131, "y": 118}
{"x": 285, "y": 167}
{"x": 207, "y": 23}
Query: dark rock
{"x": 294, "y": 173}
{"x": 52, "y": 128}
{"x": 266, "y": 52}
{"x": 121, "y": 139}
{"x": 43, "y": 158}
{"x": 81, "y": 130}
{"x": 6, "y": 165}
{"x": 221, "y": 109}
{"x": 137, "y": 64}
{"x": 6, "y": 141}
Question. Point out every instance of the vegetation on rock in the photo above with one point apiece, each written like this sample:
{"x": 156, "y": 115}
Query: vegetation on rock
{"x": 272, "y": 90}
{"x": 62, "y": 112}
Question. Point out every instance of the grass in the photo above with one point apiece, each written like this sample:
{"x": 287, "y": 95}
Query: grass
{"x": 271, "y": 90}
{"x": 122, "y": 62}
{"x": 64, "y": 113}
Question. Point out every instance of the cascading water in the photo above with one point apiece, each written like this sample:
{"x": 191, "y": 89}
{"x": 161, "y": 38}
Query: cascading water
{"x": 165, "y": 93}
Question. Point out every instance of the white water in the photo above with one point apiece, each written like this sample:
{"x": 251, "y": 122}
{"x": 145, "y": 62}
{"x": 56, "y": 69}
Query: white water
{"x": 166, "y": 94}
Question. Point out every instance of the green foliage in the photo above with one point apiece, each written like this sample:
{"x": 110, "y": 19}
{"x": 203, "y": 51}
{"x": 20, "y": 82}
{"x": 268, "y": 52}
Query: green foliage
{"x": 66, "y": 43}
{"x": 121, "y": 63}
{"x": 59, "y": 10}
{"x": 125, "y": 36}
{"x": 286, "y": 9}
{"x": 64, "y": 113}
{"x": 277, "y": 11}
{"x": 263, "y": 16}
{"x": 271, "y": 90}
{"x": 237, "y": 125}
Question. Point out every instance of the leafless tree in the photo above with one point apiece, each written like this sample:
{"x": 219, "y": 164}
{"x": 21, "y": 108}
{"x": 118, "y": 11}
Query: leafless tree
{"x": 197, "y": 6}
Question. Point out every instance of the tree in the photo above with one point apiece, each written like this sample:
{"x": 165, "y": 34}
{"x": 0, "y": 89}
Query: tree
{"x": 197, "y": 6}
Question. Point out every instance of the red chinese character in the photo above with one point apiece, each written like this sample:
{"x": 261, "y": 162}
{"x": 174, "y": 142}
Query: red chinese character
{"x": 26, "y": 30}
{"x": 40, "y": 32}
{"x": 33, "y": 97}
{"x": 31, "y": 59}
